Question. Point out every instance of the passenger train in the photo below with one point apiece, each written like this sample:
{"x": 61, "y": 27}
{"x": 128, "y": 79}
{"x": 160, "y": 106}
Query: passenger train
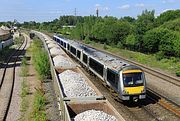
{"x": 128, "y": 81}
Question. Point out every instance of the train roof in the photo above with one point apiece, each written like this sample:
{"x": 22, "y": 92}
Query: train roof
{"x": 110, "y": 61}
{"x": 106, "y": 59}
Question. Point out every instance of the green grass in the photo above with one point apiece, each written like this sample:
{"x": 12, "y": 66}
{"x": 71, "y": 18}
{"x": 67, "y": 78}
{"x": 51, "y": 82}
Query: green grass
{"x": 169, "y": 65}
{"x": 40, "y": 59}
{"x": 24, "y": 68}
{"x": 24, "y": 93}
{"x": 39, "y": 106}
{"x": 18, "y": 40}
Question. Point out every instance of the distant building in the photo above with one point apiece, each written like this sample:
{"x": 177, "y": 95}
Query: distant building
{"x": 4, "y": 34}
{"x": 5, "y": 37}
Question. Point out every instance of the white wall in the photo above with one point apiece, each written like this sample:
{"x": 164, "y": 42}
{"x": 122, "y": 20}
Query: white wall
{"x": 7, "y": 42}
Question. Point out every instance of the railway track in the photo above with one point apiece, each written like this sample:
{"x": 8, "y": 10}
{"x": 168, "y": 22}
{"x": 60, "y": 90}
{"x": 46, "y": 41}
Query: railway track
{"x": 164, "y": 102}
{"x": 149, "y": 109}
{"x": 8, "y": 80}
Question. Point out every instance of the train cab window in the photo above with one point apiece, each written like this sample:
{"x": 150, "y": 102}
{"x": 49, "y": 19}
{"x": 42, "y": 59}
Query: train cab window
{"x": 68, "y": 47}
{"x": 96, "y": 66}
{"x": 133, "y": 79}
{"x": 73, "y": 50}
{"x": 85, "y": 58}
{"x": 112, "y": 77}
{"x": 78, "y": 54}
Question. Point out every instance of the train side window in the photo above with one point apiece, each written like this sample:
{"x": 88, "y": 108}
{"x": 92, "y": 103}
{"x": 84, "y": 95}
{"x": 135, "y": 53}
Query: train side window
{"x": 64, "y": 45}
{"x": 85, "y": 58}
{"x": 78, "y": 54}
{"x": 68, "y": 47}
{"x": 96, "y": 66}
{"x": 112, "y": 77}
{"x": 73, "y": 50}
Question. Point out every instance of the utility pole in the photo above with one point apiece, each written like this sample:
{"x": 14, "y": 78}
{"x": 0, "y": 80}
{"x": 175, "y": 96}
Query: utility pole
{"x": 97, "y": 12}
{"x": 75, "y": 12}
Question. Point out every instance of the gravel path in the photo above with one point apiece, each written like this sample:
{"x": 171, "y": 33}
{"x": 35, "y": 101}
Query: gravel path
{"x": 52, "y": 112}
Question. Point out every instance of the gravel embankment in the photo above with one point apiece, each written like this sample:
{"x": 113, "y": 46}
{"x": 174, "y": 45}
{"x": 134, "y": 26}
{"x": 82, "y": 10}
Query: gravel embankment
{"x": 93, "y": 115}
{"x": 74, "y": 85}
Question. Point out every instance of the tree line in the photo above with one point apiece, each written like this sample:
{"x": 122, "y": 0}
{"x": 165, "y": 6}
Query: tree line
{"x": 146, "y": 33}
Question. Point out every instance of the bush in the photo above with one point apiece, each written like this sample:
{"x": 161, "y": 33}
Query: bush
{"x": 40, "y": 60}
{"x": 178, "y": 73}
{"x": 24, "y": 69}
{"x": 87, "y": 40}
{"x": 105, "y": 46}
{"x": 159, "y": 55}
{"x": 39, "y": 106}
{"x": 120, "y": 45}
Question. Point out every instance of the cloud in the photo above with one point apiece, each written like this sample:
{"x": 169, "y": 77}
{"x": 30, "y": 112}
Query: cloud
{"x": 166, "y": 10}
{"x": 97, "y": 5}
{"x": 124, "y": 7}
{"x": 139, "y": 5}
{"x": 102, "y": 8}
{"x": 170, "y": 1}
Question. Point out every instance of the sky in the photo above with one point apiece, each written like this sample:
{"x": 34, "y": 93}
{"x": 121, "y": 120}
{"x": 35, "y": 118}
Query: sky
{"x": 48, "y": 10}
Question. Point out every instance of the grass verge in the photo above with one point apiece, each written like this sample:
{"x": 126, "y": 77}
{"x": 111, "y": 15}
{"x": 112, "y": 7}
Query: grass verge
{"x": 39, "y": 106}
{"x": 24, "y": 93}
{"x": 24, "y": 68}
{"x": 40, "y": 59}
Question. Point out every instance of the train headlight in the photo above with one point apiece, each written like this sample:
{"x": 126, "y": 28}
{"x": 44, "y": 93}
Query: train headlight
{"x": 143, "y": 91}
{"x": 125, "y": 92}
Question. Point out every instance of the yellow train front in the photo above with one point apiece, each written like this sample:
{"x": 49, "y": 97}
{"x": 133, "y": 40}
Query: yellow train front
{"x": 132, "y": 84}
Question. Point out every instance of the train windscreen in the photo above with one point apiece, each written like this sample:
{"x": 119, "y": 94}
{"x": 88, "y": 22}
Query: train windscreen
{"x": 133, "y": 79}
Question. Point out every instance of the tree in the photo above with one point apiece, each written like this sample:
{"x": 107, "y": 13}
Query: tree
{"x": 144, "y": 23}
{"x": 131, "y": 42}
{"x": 167, "y": 16}
{"x": 161, "y": 39}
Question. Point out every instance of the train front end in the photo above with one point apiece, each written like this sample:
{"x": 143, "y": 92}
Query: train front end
{"x": 133, "y": 84}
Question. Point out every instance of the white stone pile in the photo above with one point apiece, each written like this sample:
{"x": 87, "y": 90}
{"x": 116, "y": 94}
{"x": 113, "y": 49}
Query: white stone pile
{"x": 93, "y": 115}
{"x": 55, "y": 51}
{"x": 61, "y": 61}
{"x": 51, "y": 45}
{"x": 74, "y": 84}
{"x": 50, "y": 41}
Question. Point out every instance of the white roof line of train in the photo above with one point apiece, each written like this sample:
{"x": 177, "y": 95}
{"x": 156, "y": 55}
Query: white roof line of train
{"x": 106, "y": 59}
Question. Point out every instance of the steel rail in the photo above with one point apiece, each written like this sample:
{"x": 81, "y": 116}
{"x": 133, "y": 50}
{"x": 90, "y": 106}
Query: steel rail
{"x": 14, "y": 73}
